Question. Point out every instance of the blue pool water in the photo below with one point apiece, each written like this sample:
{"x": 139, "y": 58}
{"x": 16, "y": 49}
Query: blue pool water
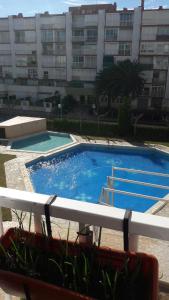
{"x": 42, "y": 142}
{"x": 80, "y": 174}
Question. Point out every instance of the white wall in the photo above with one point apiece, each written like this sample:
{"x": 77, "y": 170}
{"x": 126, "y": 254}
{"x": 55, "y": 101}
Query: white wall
{"x": 155, "y": 17}
{"x": 111, "y": 48}
{"x": 149, "y": 33}
{"x": 112, "y": 19}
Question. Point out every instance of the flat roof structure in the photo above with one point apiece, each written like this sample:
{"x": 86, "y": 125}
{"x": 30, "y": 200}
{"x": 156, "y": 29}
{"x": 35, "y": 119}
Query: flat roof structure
{"x": 20, "y": 126}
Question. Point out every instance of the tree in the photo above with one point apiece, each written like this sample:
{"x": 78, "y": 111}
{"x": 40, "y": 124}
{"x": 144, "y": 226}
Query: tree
{"x": 121, "y": 79}
{"x": 124, "y": 118}
{"x": 69, "y": 103}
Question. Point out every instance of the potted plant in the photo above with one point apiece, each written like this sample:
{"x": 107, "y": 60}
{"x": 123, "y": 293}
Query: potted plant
{"x": 46, "y": 268}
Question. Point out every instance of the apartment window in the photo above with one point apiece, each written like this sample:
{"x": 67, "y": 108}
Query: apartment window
{"x": 159, "y": 76}
{"x": 45, "y": 74}
{"x": 78, "y": 32}
{"x": 21, "y": 61}
{"x": 90, "y": 61}
{"x": 4, "y": 37}
{"x": 31, "y": 60}
{"x": 124, "y": 49}
{"x": 60, "y": 36}
{"x": 32, "y": 73}
{"x": 61, "y": 61}
{"x": 47, "y": 49}
{"x": 162, "y": 48}
{"x": 147, "y": 48}
{"x": 160, "y": 62}
{"x": 1, "y": 71}
{"x": 19, "y": 36}
{"x": 163, "y": 30}
{"x": 91, "y": 34}
{"x": 47, "y": 36}
{"x": 157, "y": 91}
{"x": 126, "y": 19}
{"x": 60, "y": 48}
{"x": 78, "y": 61}
{"x": 111, "y": 34}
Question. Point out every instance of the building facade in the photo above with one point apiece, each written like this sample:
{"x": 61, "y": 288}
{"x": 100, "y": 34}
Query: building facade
{"x": 47, "y": 53}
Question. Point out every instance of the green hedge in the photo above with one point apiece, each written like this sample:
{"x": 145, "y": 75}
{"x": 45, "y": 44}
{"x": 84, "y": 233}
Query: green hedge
{"x": 107, "y": 130}
{"x": 83, "y": 128}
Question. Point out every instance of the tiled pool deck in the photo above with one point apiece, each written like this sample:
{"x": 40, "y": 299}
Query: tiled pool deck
{"x": 17, "y": 179}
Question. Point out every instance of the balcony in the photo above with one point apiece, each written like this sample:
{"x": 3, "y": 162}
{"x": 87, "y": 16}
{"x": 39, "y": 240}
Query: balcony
{"x": 164, "y": 37}
{"x": 145, "y": 226}
{"x": 78, "y": 38}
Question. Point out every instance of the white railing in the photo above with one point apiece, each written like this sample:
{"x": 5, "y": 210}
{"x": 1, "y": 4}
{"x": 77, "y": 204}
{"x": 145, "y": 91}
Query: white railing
{"x": 110, "y": 191}
{"x": 86, "y": 213}
{"x": 139, "y": 171}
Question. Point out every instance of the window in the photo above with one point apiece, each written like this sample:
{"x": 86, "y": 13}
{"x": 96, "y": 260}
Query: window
{"x": 47, "y": 49}
{"x": 47, "y": 36}
{"x": 163, "y": 30}
{"x": 111, "y": 34}
{"x": 157, "y": 91}
{"x": 60, "y": 49}
{"x": 19, "y": 36}
{"x": 31, "y": 60}
{"x": 126, "y": 19}
{"x": 60, "y": 36}
{"x": 78, "y": 61}
{"x": 91, "y": 35}
{"x": 124, "y": 49}
{"x": 147, "y": 48}
{"x": 159, "y": 76}
{"x": 45, "y": 74}
{"x": 1, "y": 71}
{"x": 160, "y": 62}
{"x": 90, "y": 61}
{"x": 21, "y": 60}
{"x": 162, "y": 48}
{"x": 78, "y": 32}
{"x": 60, "y": 61}
{"x": 4, "y": 37}
{"x": 32, "y": 73}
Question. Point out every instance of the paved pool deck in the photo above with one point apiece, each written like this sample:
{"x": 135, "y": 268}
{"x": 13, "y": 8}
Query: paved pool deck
{"x": 17, "y": 179}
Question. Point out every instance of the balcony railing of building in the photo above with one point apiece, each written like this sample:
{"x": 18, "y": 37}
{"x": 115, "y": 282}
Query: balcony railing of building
{"x": 85, "y": 213}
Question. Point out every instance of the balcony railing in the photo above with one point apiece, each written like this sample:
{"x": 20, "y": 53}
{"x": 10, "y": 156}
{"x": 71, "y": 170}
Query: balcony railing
{"x": 85, "y": 213}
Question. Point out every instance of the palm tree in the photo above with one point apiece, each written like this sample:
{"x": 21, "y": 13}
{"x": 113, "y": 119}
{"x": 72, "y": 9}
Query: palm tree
{"x": 122, "y": 79}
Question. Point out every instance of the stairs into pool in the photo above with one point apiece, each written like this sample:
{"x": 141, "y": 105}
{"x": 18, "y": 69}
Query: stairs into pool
{"x": 108, "y": 192}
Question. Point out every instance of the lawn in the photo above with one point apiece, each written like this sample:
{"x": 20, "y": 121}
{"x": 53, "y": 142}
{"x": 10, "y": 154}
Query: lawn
{"x": 3, "y": 158}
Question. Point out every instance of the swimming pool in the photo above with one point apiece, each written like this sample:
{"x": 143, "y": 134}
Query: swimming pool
{"x": 42, "y": 142}
{"x": 81, "y": 172}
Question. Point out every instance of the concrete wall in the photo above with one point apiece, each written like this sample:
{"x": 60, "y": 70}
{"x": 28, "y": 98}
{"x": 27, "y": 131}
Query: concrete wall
{"x": 27, "y": 128}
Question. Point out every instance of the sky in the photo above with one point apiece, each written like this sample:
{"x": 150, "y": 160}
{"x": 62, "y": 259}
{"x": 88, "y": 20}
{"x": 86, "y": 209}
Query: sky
{"x": 31, "y": 7}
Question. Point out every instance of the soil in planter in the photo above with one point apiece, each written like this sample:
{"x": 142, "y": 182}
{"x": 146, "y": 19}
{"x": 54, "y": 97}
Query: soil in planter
{"x": 78, "y": 270}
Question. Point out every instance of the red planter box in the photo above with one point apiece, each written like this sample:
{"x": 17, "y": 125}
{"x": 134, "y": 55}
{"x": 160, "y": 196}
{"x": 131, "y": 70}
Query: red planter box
{"x": 13, "y": 283}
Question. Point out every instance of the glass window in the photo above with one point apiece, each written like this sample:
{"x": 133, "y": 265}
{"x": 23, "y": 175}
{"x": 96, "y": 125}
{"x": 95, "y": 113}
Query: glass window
{"x": 4, "y": 37}
{"x": 92, "y": 34}
{"x": 78, "y": 32}
{"x": 126, "y": 19}
{"x": 47, "y": 48}
{"x": 157, "y": 91}
{"x": 90, "y": 61}
{"x": 78, "y": 61}
{"x": 19, "y": 36}
{"x": 47, "y": 36}
{"x": 21, "y": 61}
{"x": 111, "y": 34}
{"x": 32, "y": 73}
{"x": 125, "y": 49}
{"x": 60, "y": 61}
{"x": 60, "y": 36}
{"x": 163, "y": 30}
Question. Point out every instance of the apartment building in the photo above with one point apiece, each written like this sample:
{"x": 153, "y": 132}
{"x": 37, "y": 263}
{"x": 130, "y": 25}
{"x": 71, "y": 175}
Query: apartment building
{"x": 45, "y": 54}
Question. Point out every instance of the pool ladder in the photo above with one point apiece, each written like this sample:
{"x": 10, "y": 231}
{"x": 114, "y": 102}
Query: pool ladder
{"x": 107, "y": 193}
